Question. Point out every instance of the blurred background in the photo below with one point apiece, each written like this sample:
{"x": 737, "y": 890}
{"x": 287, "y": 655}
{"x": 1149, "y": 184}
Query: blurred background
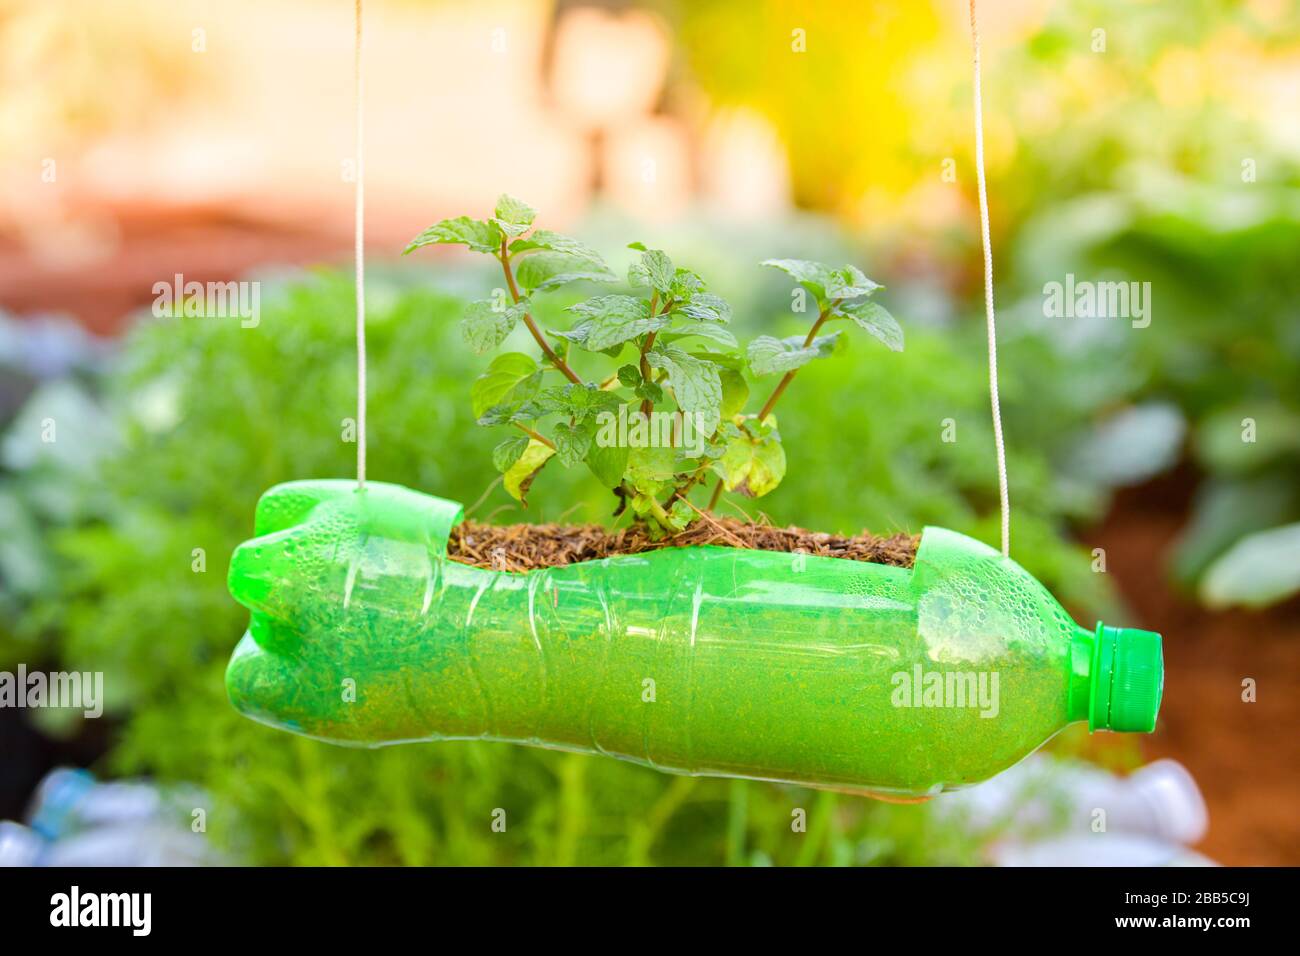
{"x": 1153, "y": 467}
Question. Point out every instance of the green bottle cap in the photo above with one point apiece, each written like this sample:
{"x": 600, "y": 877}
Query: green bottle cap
{"x": 1128, "y": 677}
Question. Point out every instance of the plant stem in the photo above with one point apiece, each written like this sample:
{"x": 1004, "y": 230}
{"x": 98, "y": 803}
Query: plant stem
{"x": 695, "y": 476}
{"x": 549, "y": 352}
{"x": 646, "y": 405}
{"x": 781, "y": 385}
{"x": 534, "y": 435}
{"x": 717, "y": 493}
{"x": 788, "y": 376}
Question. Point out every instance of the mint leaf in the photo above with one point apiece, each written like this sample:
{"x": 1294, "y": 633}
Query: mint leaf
{"x": 572, "y": 442}
{"x": 695, "y": 383}
{"x": 650, "y": 392}
{"x": 849, "y": 283}
{"x": 654, "y": 270}
{"x": 513, "y": 216}
{"x": 546, "y": 270}
{"x": 713, "y": 451}
{"x": 685, "y": 284}
{"x": 508, "y": 452}
{"x": 570, "y": 400}
{"x": 629, "y": 376}
{"x": 485, "y": 327}
{"x": 607, "y": 462}
{"x": 679, "y": 516}
{"x": 702, "y": 330}
{"x": 875, "y": 319}
{"x": 768, "y": 354}
{"x": 555, "y": 242}
{"x": 649, "y": 465}
{"x": 731, "y": 360}
{"x": 814, "y": 276}
{"x": 507, "y": 413}
{"x": 578, "y": 400}
{"x": 610, "y": 320}
{"x": 826, "y": 283}
{"x": 660, "y": 270}
{"x": 704, "y": 306}
{"x": 519, "y": 477}
{"x": 753, "y": 467}
{"x": 645, "y": 505}
{"x": 735, "y": 392}
{"x": 504, "y": 381}
{"x": 479, "y": 236}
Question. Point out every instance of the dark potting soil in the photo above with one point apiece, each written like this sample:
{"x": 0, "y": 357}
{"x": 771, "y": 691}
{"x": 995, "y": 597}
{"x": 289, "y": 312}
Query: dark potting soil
{"x": 522, "y": 547}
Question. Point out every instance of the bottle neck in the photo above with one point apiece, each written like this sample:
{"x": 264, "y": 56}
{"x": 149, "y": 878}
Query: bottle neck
{"x": 1082, "y": 647}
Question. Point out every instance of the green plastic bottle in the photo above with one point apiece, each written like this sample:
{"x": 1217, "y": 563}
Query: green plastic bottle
{"x": 700, "y": 660}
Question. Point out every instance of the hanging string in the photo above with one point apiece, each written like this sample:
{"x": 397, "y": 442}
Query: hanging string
{"x": 991, "y": 321}
{"x": 360, "y": 233}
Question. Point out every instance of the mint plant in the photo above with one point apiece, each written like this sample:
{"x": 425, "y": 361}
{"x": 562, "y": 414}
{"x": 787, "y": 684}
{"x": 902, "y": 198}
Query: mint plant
{"x": 754, "y": 462}
{"x": 665, "y": 409}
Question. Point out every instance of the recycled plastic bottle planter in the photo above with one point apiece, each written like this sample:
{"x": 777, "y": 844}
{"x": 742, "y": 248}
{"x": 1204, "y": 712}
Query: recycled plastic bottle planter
{"x": 701, "y": 660}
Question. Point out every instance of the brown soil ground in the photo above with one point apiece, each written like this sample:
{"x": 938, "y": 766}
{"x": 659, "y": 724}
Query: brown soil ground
{"x": 1245, "y": 756}
{"x": 203, "y": 243}
{"x": 522, "y": 547}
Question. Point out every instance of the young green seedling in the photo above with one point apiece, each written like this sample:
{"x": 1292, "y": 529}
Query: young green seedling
{"x": 666, "y": 406}
{"x": 755, "y": 459}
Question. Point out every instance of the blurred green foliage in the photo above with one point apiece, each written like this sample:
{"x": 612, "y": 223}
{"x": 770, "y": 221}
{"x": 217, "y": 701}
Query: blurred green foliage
{"x": 1145, "y": 143}
{"x": 1222, "y": 350}
{"x": 1164, "y": 161}
{"x": 210, "y": 414}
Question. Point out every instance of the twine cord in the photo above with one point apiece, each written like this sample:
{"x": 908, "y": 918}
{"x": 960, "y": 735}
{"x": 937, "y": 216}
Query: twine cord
{"x": 990, "y": 319}
{"x": 360, "y": 233}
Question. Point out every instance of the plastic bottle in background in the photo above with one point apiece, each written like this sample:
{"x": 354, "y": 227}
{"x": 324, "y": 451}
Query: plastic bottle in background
{"x": 1116, "y": 848}
{"x": 702, "y": 660}
{"x": 19, "y": 845}
{"x": 55, "y": 801}
{"x": 1047, "y": 811}
{"x": 74, "y": 820}
{"x": 130, "y": 844}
